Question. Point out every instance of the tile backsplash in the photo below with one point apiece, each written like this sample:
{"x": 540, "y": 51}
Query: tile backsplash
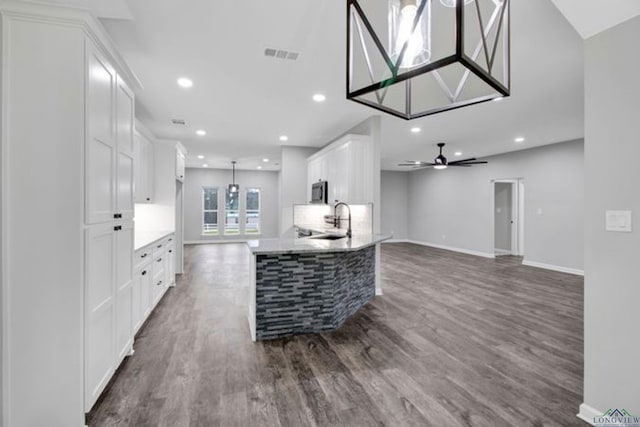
{"x": 312, "y": 216}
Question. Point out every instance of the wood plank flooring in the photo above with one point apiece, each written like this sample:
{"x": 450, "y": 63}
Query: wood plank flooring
{"x": 456, "y": 340}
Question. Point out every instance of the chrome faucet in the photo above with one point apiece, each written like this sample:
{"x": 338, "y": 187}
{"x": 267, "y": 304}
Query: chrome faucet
{"x": 338, "y": 219}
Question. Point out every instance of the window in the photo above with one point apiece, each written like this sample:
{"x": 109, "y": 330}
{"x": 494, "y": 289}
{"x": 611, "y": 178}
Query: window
{"x": 210, "y": 211}
{"x": 252, "y": 225}
{"x": 231, "y": 213}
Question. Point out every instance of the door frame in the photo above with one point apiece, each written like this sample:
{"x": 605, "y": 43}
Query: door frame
{"x": 517, "y": 199}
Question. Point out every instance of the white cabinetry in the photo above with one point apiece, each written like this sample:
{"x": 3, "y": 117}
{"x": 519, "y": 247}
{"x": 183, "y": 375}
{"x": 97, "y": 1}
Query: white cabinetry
{"x": 67, "y": 118}
{"x": 109, "y": 146}
{"x": 144, "y": 169}
{"x": 100, "y": 182}
{"x": 125, "y": 147}
{"x": 347, "y": 165}
{"x": 100, "y": 309}
{"x": 180, "y": 165}
{"x": 109, "y": 210}
{"x": 124, "y": 289}
{"x": 154, "y": 272}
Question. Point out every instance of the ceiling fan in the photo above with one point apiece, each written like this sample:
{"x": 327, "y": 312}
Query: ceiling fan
{"x": 441, "y": 162}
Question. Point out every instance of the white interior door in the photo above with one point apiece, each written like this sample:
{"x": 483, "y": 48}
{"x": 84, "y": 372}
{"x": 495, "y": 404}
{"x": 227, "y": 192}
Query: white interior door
{"x": 508, "y": 217}
{"x": 503, "y": 218}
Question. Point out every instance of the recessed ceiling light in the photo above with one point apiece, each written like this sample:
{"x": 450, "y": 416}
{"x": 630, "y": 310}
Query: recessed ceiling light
{"x": 284, "y": 138}
{"x": 185, "y": 82}
{"x": 259, "y": 167}
{"x": 519, "y": 139}
{"x": 200, "y": 156}
{"x": 265, "y": 160}
{"x": 318, "y": 97}
{"x": 457, "y": 153}
{"x": 205, "y": 165}
{"x": 416, "y": 130}
{"x": 201, "y": 132}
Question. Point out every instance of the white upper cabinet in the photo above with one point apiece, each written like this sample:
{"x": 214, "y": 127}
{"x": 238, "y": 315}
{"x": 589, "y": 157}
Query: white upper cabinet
{"x": 144, "y": 166}
{"x": 125, "y": 152}
{"x": 109, "y": 143}
{"x": 180, "y": 165}
{"x": 100, "y": 187}
{"x": 347, "y": 165}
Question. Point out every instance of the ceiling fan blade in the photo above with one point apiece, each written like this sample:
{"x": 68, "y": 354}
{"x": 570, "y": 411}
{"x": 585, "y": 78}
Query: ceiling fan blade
{"x": 460, "y": 165}
{"x": 479, "y": 162}
{"x": 409, "y": 163}
{"x": 462, "y": 161}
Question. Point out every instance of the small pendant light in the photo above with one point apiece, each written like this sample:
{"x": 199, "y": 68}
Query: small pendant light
{"x": 234, "y": 188}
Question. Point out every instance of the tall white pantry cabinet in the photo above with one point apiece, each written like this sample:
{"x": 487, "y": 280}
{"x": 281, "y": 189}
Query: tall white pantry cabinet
{"x": 67, "y": 117}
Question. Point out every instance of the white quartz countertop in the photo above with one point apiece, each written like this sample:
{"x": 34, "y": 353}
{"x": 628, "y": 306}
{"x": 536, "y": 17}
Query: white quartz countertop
{"x": 145, "y": 238}
{"x": 307, "y": 245}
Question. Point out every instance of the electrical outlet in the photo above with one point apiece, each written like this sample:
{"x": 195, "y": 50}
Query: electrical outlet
{"x": 444, "y": 237}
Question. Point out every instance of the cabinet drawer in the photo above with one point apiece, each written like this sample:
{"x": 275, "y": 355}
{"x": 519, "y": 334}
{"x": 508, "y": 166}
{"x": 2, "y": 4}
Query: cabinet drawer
{"x": 159, "y": 249}
{"x": 141, "y": 257}
{"x": 158, "y": 264}
{"x": 168, "y": 241}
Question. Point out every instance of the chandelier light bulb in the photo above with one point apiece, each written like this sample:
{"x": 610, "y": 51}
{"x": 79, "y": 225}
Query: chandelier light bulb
{"x": 402, "y": 17}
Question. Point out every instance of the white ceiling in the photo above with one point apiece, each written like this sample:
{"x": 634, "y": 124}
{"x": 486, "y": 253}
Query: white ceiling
{"x": 245, "y": 100}
{"x": 589, "y": 17}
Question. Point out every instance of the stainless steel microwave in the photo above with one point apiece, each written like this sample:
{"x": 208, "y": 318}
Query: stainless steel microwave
{"x": 319, "y": 192}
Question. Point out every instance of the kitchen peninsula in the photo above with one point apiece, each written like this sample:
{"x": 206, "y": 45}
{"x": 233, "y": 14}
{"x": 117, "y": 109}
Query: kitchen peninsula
{"x": 309, "y": 285}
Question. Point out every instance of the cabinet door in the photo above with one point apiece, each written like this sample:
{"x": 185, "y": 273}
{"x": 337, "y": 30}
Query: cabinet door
{"x": 360, "y": 173}
{"x": 136, "y": 303}
{"x": 124, "y": 284}
{"x": 180, "y": 165}
{"x": 145, "y": 292}
{"x": 159, "y": 282}
{"x": 150, "y": 161}
{"x": 100, "y": 156}
{"x": 100, "y": 310}
{"x": 338, "y": 178}
{"x": 125, "y": 148}
{"x": 139, "y": 169}
{"x": 171, "y": 266}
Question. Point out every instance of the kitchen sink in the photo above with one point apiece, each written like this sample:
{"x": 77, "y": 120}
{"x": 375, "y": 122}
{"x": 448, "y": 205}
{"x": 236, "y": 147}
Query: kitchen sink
{"x": 327, "y": 237}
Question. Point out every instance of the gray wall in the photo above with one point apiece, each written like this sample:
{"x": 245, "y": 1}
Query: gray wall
{"x": 196, "y": 178}
{"x": 503, "y": 208}
{"x": 292, "y": 184}
{"x": 612, "y": 282}
{"x": 453, "y": 207}
{"x": 394, "y": 200}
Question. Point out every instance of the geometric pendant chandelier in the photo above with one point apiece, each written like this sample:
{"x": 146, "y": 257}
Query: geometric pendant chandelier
{"x": 413, "y": 58}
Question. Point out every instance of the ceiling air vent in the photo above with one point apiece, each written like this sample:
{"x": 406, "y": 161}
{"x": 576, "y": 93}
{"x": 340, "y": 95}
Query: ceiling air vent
{"x": 281, "y": 54}
{"x": 180, "y": 122}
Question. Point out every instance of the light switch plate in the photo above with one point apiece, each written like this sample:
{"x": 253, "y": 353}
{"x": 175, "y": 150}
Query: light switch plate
{"x": 618, "y": 221}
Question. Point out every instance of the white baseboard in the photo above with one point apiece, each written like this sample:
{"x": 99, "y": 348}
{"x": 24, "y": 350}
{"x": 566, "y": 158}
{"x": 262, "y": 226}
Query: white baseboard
{"x": 587, "y": 413}
{"x": 553, "y": 267}
{"x": 379, "y": 292}
{"x": 502, "y": 252}
{"x": 450, "y": 248}
{"x": 397, "y": 241}
{"x": 213, "y": 242}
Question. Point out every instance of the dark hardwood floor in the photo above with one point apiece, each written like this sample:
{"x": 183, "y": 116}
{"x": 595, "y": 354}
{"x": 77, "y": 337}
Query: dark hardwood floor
{"x": 456, "y": 340}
